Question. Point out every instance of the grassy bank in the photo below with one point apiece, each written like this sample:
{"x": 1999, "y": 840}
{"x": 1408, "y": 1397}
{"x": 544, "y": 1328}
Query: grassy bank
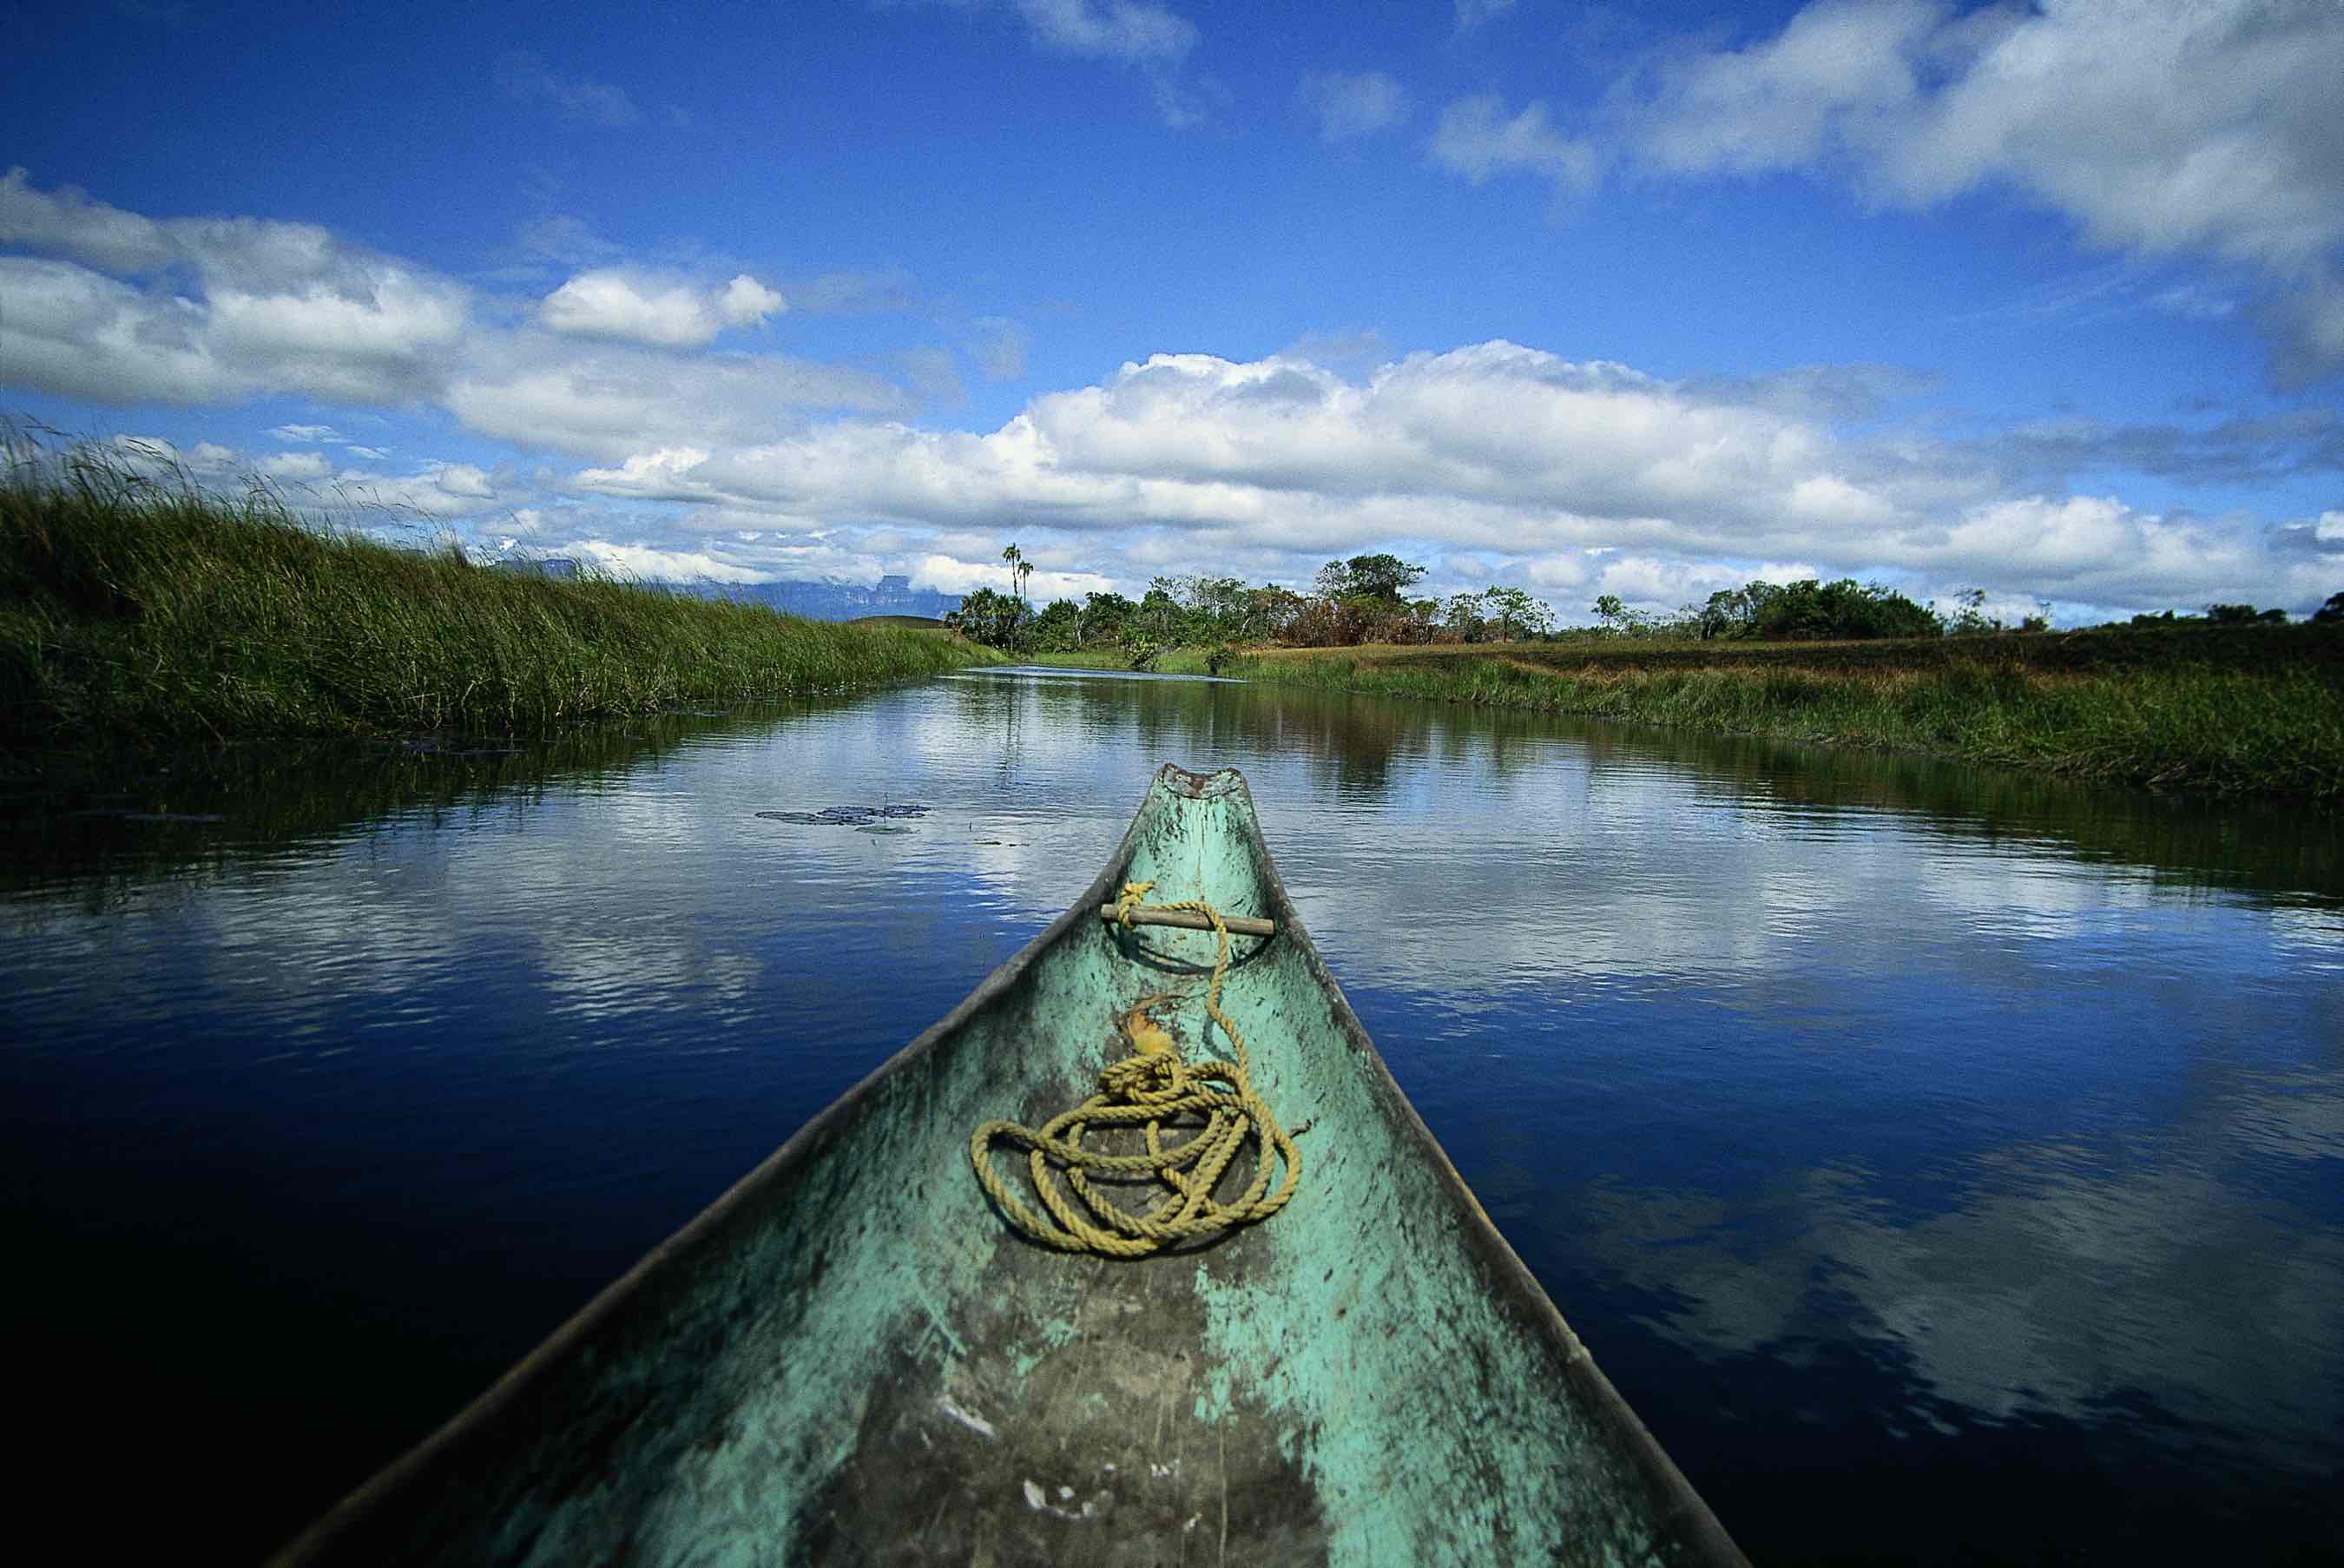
{"x": 130, "y": 608}
{"x": 2244, "y": 711}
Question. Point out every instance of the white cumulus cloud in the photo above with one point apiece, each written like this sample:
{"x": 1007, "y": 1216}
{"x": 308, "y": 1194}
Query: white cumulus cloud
{"x": 650, "y": 563}
{"x": 255, "y": 306}
{"x": 1514, "y": 463}
{"x": 608, "y": 401}
{"x": 628, "y": 307}
{"x": 2205, "y": 129}
{"x": 297, "y": 467}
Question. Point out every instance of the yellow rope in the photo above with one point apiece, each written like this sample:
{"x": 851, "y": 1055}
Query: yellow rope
{"x": 1145, "y": 1089}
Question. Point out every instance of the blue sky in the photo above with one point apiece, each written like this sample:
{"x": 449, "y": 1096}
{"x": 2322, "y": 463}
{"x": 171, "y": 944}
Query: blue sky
{"x": 1640, "y": 300}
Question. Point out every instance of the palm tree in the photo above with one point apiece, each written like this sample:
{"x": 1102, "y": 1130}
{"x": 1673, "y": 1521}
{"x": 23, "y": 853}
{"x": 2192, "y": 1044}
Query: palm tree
{"x": 1020, "y": 569}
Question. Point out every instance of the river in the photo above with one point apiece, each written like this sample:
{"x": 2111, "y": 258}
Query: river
{"x": 1948, "y": 1166}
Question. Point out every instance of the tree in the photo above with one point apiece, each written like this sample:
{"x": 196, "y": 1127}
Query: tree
{"x": 1210, "y": 609}
{"x": 1734, "y": 612}
{"x": 1518, "y": 614}
{"x": 993, "y": 619}
{"x": 1971, "y": 620}
{"x": 1159, "y": 617}
{"x": 1382, "y": 576}
{"x": 1223, "y": 598}
{"x": 1610, "y": 612}
{"x": 1846, "y": 608}
{"x": 1270, "y": 612}
{"x": 1359, "y": 599}
{"x": 1020, "y": 569}
{"x": 2330, "y": 613}
{"x": 1463, "y": 619}
{"x": 1416, "y": 622}
{"x": 1104, "y": 618}
{"x": 1058, "y": 628}
{"x": 1216, "y": 607}
{"x": 1377, "y": 577}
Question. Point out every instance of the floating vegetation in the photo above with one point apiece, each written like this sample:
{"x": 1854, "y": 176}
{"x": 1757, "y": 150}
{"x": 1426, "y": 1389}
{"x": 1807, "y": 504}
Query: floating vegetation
{"x": 863, "y": 818}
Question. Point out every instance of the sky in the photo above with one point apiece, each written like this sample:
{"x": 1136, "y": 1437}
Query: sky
{"x": 1645, "y": 300}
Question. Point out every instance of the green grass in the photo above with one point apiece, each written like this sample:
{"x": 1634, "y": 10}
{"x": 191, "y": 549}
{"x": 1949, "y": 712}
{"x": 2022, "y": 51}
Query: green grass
{"x": 2260, "y": 711}
{"x": 135, "y": 608}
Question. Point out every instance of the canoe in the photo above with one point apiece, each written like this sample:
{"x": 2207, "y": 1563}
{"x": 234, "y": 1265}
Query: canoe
{"x": 857, "y": 1356}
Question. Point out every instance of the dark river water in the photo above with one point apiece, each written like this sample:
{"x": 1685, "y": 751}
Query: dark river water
{"x": 1948, "y": 1166}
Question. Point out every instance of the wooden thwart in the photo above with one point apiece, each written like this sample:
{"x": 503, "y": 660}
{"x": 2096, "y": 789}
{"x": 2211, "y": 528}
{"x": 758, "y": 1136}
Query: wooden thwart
{"x": 1189, "y": 920}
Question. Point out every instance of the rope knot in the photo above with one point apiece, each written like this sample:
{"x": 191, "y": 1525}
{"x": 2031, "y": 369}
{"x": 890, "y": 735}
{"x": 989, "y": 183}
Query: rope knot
{"x": 1129, "y": 900}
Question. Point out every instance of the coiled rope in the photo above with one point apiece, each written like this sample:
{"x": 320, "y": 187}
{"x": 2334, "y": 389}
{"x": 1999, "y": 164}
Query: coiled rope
{"x": 1146, "y": 1089}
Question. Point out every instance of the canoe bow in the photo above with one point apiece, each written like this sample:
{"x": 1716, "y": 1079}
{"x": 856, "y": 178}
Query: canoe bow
{"x": 850, "y": 1358}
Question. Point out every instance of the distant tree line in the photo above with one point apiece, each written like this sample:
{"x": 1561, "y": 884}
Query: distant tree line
{"x": 2236, "y": 615}
{"x": 1364, "y": 599}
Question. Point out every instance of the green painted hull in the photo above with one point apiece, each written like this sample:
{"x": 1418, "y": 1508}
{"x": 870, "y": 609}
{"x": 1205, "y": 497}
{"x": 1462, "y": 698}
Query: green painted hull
{"x": 850, "y": 1358}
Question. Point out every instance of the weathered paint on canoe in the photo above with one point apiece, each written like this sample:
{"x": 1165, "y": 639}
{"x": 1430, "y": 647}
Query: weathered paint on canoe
{"x": 850, "y": 1358}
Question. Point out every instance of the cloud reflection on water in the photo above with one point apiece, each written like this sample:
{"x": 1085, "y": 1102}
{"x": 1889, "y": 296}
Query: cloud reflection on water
{"x": 2062, "y": 1281}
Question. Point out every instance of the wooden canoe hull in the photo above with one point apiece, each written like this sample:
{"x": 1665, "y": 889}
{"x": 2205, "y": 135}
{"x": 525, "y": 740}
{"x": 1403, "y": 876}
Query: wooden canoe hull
{"x": 850, "y": 1358}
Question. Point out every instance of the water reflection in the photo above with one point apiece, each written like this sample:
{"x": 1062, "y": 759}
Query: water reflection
{"x": 2047, "y": 1286}
{"x": 1869, "y": 1115}
{"x": 108, "y": 825}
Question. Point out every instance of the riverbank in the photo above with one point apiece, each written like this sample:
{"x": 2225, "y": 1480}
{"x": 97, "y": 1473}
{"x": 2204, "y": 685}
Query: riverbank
{"x": 130, "y": 610}
{"x": 2244, "y": 711}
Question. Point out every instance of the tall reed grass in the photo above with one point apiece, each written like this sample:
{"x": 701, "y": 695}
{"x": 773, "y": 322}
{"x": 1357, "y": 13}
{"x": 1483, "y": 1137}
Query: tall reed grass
{"x": 2276, "y": 730}
{"x": 134, "y": 603}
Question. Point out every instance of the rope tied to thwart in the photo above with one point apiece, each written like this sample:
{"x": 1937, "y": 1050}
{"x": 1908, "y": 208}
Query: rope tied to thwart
{"x": 1146, "y": 1089}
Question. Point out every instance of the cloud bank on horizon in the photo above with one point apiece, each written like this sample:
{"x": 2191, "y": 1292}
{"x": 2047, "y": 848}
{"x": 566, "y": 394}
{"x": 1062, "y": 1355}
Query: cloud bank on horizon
{"x": 2046, "y": 300}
